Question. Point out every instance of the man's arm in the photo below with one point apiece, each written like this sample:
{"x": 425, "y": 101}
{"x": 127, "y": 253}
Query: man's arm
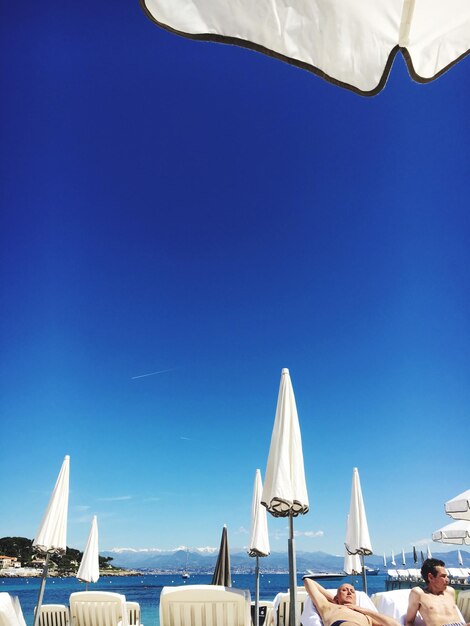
{"x": 377, "y": 618}
{"x": 320, "y": 597}
{"x": 414, "y": 601}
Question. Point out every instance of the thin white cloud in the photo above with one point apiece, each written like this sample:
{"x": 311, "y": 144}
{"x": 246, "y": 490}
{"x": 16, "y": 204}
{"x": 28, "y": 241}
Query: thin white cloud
{"x": 421, "y": 542}
{"x": 185, "y": 438}
{"x": 115, "y": 499}
{"x": 308, "y": 533}
{"x": 150, "y": 374}
{"x": 81, "y": 507}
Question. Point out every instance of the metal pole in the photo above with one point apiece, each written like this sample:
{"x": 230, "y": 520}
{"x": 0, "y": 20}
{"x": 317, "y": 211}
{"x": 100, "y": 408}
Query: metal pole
{"x": 292, "y": 574}
{"x": 364, "y": 575}
{"x": 257, "y": 592}
{"x": 37, "y": 611}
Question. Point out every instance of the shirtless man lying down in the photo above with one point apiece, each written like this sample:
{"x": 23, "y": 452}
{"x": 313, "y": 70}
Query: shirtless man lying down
{"x": 342, "y": 609}
{"x": 436, "y": 602}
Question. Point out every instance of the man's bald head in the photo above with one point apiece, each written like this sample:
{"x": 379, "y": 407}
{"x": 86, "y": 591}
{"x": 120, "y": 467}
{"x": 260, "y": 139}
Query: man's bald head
{"x": 346, "y": 594}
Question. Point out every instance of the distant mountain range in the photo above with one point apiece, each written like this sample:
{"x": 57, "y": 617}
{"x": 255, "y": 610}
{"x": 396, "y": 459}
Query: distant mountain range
{"x": 198, "y": 561}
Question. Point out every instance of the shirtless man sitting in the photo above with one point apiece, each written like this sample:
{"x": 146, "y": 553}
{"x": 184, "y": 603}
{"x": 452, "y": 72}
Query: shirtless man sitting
{"x": 436, "y": 602}
{"x": 342, "y": 608}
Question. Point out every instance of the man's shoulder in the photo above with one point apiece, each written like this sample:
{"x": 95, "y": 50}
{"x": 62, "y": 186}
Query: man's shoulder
{"x": 417, "y": 591}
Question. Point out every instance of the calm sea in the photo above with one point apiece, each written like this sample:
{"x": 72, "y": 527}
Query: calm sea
{"x": 146, "y": 589}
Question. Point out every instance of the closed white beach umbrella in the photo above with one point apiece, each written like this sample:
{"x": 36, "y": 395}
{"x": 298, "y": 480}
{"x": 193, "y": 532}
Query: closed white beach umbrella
{"x": 351, "y": 44}
{"x": 352, "y": 564}
{"x": 459, "y": 558}
{"x": 51, "y": 537}
{"x": 357, "y": 535}
{"x": 393, "y": 560}
{"x": 285, "y": 489}
{"x": 428, "y": 553}
{"x": 459, "y": 507}
{"x": 457, "y": 532}
{"x": 403, "y": 559}
{"x": 385, "y": 560}
{"x": 259, "y": 540}
{"x": 89, "y": 570}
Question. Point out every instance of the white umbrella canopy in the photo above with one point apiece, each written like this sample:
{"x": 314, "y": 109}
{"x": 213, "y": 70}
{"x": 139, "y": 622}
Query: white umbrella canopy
{"x": 428, "y": 553}
{"x": 51, "y": 537}
{"x": 457, "y": 532}
{"x": 357, "y": 534}
{"x": 89, "y": 570}
{"x": 352, "y": 564}
{"x": 285, "y": 488}
{"x": 459, "y": 507}
{"x": 352, "y": 44}
{"x": 259, "y": 540}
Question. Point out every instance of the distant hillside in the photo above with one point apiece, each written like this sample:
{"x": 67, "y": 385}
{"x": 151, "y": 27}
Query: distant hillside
{"x": 22, "y": 549}
{"x": 276, "y": 562}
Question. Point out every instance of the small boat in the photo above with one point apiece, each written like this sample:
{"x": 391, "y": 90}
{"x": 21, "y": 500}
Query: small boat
{"x": 372, "y": 571}
{"x": 324, "y": 575}
{"x": 185, "y": 575}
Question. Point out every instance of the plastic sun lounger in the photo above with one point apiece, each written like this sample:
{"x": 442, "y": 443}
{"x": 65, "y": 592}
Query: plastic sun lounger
{"x": 133, "y": 613}
{"x": 310, "y": 616}
{"x": 281, "y": 607}
{"x": 54, "y": 615}
{"x": 266, "y": 612}
{"x": 456, "y": 573}
{"x": 98, "y": 608}
{"x": 10, "y": 611}
{"x": 204, "y": 605}
{"x": 392, "y": 573}
{"x": 463, "y": 602}
{"x": 395, "y": 604}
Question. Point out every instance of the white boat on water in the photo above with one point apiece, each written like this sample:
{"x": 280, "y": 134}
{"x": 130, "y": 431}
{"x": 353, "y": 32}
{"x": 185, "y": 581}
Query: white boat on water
{"x": 324, "y": 575}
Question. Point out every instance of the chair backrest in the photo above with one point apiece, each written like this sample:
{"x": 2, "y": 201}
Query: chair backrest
{"x": 10, "y": 611}
{"x": 133, "y": 613}
{"x": 98, "y": 608}
{"x": 282, "y": 604}
{"x": 463, "y": 602}
{"x": 204, "y": 605}
{"x": 54, "y": 615}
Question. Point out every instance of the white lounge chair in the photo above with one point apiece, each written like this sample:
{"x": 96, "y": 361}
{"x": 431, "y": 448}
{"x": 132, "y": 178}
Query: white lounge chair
{"x": 54, "y": 615}
{"x": 463, "y": 602}
{"x": 10, "y": 611}
{"x": 133, "y": 613}
{"x": 266, "y": 612}
{"x": 98, "y": 608}
{"x": 281, "y": 607}
{"x": 393, "y": 574}
{"x": 204, "y": 605}
{"x": 310, "y": 616}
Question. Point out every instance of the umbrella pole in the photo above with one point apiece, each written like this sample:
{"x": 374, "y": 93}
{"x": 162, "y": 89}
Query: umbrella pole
{"x": 257, "y": 592}
{"x": 37, "y": 612}
{"x": 292, "y": 574}
{"x": 364, "y": 575}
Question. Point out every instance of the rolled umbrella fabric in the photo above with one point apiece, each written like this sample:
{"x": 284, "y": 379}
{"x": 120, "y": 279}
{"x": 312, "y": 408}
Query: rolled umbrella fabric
{"x": 89, "y": 570}
{"x": 351, "y": 44}
{"x": 415, "y": 555}
{"x": 259, "y": 540}
{"x": 51, "y": 536}
{"x": 403, "y": 559}
{"x": 459, "y": 507}
{"x": 222, "y": 575}
{"x": 285, "y": 488}
{"x": 352, "y": 564}
{"x": 428, "y": 553}
{"x": 457, "y": 532}
{"x": 357, "y": 535}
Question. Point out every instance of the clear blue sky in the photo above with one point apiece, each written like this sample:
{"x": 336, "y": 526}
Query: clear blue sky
{"x": 214, "y": 213}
